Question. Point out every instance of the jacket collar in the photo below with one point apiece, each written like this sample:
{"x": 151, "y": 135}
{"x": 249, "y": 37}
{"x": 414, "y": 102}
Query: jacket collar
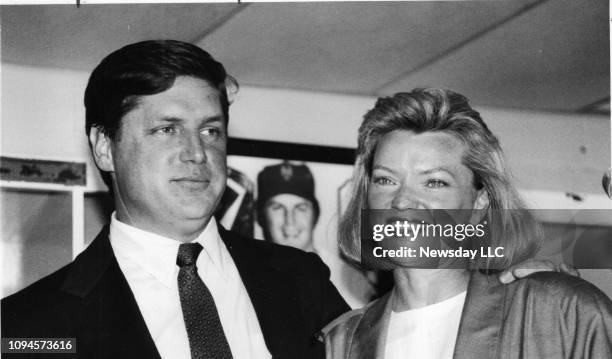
{"x": 479, "y": 329}
{"x": 107, "y": 320}
{"x": 371, "y": 333}
{"x": 89, "y": 266}
{"x": 482, "y": 318}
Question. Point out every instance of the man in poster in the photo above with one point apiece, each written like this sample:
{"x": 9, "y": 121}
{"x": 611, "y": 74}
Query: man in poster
{"x": 287, "y": 209}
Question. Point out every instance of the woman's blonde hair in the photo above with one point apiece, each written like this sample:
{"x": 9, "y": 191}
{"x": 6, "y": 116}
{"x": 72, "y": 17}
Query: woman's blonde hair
{"x": 438, "y": 110}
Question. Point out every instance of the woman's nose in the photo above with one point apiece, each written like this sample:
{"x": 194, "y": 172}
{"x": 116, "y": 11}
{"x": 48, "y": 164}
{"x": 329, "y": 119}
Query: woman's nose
{"x": 405, "y": 198}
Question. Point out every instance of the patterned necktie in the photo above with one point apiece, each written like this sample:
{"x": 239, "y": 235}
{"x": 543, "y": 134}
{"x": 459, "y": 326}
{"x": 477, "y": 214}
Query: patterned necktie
{"x": 206, "y": 337}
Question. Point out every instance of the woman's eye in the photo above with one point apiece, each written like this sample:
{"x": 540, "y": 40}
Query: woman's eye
{"x": 382, "y": 180}
{"x": 436, "y": 183}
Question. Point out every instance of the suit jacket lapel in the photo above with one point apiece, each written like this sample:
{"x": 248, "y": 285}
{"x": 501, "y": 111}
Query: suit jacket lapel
{"x": 482, "y": 319}
{"x": 272, "y": 293}
{"x": 479, "y": 330}
{"x": 109, "y": 322}
{"x": 371, "y": 333}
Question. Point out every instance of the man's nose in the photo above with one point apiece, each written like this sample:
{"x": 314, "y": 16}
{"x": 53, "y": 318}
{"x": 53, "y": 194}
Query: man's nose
{"x": 289, "y": 218}
{"x": 405, "y": 198}
{"x": 192, "y": 149}
{"x": 289, "y": 229}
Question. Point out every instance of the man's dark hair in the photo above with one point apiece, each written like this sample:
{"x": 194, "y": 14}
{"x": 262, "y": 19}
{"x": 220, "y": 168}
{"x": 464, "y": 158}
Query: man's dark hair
{"x": 146, "y": 68}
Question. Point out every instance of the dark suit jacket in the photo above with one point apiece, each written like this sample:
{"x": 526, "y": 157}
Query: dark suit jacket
{"x": 90, "y": 300}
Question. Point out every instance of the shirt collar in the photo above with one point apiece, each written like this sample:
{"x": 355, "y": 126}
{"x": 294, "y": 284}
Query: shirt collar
{"x": 156, "y": 254}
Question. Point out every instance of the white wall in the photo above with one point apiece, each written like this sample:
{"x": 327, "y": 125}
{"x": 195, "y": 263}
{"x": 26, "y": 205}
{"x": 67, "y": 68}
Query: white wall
{"x": 298, "y": 116}
{"x": 552, "y": 151}
{"x": 43, "y": 116}
{"x": 544, "y": 149}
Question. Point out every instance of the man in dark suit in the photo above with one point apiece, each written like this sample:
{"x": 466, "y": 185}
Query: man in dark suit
{"x": 162, "y": 280}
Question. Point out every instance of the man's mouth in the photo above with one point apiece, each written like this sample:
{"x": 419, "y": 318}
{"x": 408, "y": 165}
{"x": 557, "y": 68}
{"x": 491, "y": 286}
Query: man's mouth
{"x": 291, "y": 234}
{"x": 192, "y": 182}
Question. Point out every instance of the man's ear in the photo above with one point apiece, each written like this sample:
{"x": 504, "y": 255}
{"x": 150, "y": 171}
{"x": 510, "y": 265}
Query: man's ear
{"x": 101, "y": 149}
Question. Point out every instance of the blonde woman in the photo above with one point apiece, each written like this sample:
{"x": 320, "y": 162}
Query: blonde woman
{"x": 428, "y": 149}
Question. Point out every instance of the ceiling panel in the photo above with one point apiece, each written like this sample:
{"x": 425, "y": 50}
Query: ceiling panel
{"x": 345, "y": 47}
{"x": 535, "y": 54}
{"x": 78, "y": 38}
{"x": 554, "y": 57}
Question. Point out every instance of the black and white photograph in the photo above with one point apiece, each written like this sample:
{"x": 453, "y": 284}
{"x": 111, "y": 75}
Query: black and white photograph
{"x": 195, "y": 179}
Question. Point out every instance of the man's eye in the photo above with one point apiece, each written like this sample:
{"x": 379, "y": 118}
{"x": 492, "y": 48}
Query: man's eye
{"x": 303, "y": 207}
{"x": 381, "y": 180}
{"x": 211, "y": 132}
{"x": 275, "y": 207}
{"x": 436, "y": 183}
{"x": 165, "y": 130}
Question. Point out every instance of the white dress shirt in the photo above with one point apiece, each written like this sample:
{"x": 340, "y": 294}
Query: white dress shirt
{"x": 428, "y": 332}
{"x": 148, "y": 262}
